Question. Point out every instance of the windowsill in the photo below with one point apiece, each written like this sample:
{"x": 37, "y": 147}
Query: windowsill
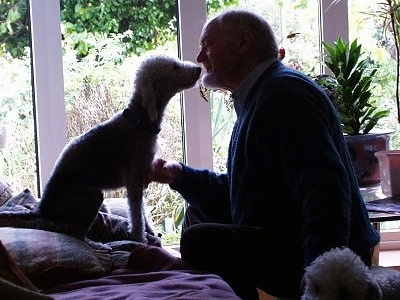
{"x": 390, "y": 258}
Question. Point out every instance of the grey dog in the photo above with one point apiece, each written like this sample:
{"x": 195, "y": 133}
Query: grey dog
{"x": 116, "y": 153}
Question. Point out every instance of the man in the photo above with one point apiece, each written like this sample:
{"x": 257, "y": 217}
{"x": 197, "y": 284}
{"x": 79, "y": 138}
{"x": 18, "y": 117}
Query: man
{"x": 290, "y": 192}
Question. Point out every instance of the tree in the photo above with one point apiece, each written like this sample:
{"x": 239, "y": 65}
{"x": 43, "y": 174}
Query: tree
{"x": 14, "y": 19}
{"x": 142, "y": 23}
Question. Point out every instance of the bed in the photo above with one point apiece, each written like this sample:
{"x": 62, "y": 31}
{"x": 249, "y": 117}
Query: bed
{"x": 40, "y": 264}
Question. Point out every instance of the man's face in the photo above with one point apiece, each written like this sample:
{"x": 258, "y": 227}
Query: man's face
{"x": 217, "y": 54}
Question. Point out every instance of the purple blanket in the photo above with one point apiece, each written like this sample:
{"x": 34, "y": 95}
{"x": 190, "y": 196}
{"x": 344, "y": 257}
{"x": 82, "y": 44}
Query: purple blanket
{"x": 151, "y": 273}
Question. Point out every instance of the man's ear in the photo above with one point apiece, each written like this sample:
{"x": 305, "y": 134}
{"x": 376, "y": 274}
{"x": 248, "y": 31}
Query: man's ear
{"x": 246, "y": 41}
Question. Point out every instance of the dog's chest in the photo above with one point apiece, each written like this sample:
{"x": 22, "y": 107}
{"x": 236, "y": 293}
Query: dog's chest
{"x": 142, "y": 145}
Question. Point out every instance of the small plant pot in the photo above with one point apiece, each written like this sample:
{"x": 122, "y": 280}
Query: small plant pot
{"x": 389, "y": 169}
{"x": 362, "y": 149}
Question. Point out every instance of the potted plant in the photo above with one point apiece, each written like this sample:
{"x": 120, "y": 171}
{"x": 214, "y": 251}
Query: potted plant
{"x": 350, "y": 88}
{"x": 388, "y": 15}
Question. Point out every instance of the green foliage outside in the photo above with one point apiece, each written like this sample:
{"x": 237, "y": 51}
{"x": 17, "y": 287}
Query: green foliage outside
{"x": 14, "y": 20}
{"x": 142, "y": 24}
{"x": 354, "y": 75}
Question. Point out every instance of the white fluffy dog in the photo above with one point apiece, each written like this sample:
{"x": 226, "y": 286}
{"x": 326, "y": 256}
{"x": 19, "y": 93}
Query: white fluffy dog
{"x": 116, "y": 153}
{"x": 340, "y": 274}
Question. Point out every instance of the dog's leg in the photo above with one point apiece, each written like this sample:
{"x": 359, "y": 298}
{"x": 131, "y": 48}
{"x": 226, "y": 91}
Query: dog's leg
{"x": 148, "y": 227}
{"x": 153, "y": 238}
{"x": 141, "y": 228}
{"x": 71, "y": 211}
{"x": 136, "y": 211}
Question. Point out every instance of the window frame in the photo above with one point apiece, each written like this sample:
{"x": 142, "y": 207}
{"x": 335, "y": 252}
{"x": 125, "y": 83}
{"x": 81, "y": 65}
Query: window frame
{"x": 48, "y": 85}
{"x": 48, "y": 82}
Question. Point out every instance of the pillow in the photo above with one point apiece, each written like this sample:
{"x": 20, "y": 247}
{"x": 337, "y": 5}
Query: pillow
{"x": 10, "y": 271}
{"x": 6, "y": 191}
{"x": 21, "y": 202}
{"x": 105, "y": 228}
{"x": 109, "y": 227}
{"x": 49, "y": 258}
{"x": 117, "y": 206}
{"x": 11, "y": 215}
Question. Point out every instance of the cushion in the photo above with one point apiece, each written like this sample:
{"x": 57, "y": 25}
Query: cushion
{"x": 10, "y": 271}
{"x": 6, "y": 191}
{"x": 109, "y": 227}
{"x": 49, "y": 258}
{"x": 117, "y": 206}
{"x": 21, "y": 202}
{"x": 105, "y": 228}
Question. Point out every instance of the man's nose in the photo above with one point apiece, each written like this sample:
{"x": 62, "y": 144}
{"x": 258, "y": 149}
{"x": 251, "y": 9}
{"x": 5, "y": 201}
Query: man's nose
{"x": 200, "y": 57}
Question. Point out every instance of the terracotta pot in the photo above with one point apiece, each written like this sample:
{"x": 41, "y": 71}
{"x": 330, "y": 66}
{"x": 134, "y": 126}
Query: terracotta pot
{"x": 389, "y": 166}
{"x": 362, "y": 150}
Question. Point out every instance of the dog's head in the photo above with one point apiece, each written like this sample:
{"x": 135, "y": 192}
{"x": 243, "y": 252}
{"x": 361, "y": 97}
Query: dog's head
{"x": 159, "y": 77}
{"x": 340, "y": 274}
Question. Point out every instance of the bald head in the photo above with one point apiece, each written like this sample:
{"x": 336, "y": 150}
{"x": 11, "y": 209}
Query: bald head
{"x": 232, "y": 44}
{"x": 236, "y": 21}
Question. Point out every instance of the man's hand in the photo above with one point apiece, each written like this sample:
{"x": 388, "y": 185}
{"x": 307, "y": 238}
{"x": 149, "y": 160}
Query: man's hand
{"x": 163, "y": 171}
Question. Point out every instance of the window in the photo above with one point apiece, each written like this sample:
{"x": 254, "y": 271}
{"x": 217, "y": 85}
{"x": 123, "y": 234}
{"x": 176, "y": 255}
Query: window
{"x": 369, "y": 33}
{"x": 314, "y": 20}
{"x": 304, "y": 21}
{"x": 49, "y": 73}
{"x": 16, "y": 114}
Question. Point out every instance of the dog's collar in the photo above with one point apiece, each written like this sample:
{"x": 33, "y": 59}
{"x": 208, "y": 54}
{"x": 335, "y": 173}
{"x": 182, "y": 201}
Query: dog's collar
{"x": 143, "y": 124}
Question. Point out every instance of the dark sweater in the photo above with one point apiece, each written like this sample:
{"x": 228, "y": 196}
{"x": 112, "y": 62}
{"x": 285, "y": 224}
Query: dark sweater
{"x": 288, "y": 170}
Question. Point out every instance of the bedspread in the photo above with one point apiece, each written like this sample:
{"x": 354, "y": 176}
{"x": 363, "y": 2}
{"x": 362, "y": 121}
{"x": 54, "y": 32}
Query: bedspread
{"x": 151, "y": 273}
{"x": 36, "y": 263}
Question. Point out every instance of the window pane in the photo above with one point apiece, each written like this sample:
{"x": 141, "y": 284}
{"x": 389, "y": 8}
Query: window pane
{"x": 286, "y": 17}
{"x": 98, "y": 76}
{"x": 376, "y": 40}
{"x": 18, "y": 156}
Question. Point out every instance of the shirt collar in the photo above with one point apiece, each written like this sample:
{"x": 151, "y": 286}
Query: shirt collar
{"x": 240, "y": 94}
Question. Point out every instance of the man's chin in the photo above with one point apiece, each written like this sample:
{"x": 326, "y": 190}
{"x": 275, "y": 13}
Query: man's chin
{"x": 209, "y": 82}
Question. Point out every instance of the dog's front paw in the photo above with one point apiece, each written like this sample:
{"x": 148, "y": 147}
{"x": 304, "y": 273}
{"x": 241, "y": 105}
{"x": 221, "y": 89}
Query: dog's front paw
{"x": 154, "y": 240}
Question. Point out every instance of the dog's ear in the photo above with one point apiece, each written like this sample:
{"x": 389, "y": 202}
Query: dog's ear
{"x": 149, "y": 100}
